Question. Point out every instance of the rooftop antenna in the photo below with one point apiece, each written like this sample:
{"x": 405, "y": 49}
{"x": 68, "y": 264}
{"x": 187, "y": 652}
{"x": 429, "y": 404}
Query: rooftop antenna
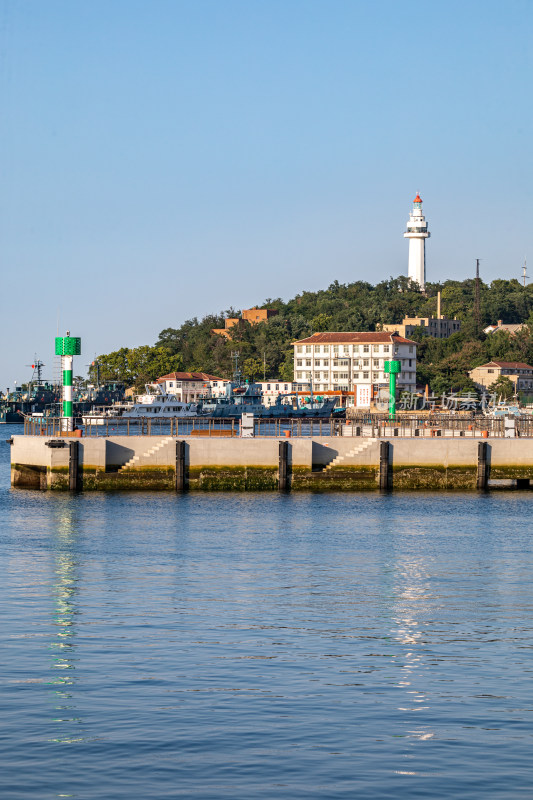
{"x": 477, "y": 303}
{"x": 524, "y": 272}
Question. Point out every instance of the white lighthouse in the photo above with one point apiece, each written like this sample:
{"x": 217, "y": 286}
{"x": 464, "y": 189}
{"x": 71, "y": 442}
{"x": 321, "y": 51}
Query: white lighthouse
{"x": 417, "y": 233}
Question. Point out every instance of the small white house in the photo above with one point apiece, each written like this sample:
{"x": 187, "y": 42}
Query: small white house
{"x": 190, "y": 386}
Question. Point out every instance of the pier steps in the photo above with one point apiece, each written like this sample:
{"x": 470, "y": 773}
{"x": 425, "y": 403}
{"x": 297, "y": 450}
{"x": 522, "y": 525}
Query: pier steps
{"x": 355, "y": 451}
{"x": 134, "y": 461}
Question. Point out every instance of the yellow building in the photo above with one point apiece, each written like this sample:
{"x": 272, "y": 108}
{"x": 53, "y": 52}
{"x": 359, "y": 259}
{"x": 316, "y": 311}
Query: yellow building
{"x": 251, "y": 315}
{"x": 520, "y": 374}
{"x": 438, "y": 327}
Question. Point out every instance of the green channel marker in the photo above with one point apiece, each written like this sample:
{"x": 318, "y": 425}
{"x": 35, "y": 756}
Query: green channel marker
{"x": 66, "y": 347}
{"x": 393, "y": 368}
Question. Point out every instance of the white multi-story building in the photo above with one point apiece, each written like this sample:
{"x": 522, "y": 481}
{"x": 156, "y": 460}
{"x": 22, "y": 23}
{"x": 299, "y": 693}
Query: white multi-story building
{"x": 417, "y": 233}
{"x": 353, "y": 363}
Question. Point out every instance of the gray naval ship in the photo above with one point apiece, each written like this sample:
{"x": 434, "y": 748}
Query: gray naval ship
{"x": 246, "y": 397}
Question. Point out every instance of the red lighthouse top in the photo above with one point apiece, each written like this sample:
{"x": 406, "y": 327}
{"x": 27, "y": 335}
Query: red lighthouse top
{"x": 417, "y": 199}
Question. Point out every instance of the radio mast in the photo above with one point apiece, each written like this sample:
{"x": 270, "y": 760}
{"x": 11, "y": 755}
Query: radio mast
{"x": 477, "y": 301}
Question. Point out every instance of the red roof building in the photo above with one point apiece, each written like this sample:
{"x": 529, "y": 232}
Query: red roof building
{"x": 189, "y": 386}
{"x": 353, "y": 363}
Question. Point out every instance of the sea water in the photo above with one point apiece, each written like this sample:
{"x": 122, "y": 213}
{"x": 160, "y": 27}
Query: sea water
{"x": 265, "y": 646}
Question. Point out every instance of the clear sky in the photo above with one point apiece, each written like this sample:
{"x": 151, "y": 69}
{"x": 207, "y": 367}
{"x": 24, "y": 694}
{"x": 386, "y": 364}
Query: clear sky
{"x": 167, "y": 159}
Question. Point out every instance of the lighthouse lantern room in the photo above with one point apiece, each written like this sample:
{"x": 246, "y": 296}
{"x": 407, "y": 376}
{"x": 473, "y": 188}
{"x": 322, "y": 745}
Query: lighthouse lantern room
{"x": 417, "y": 233}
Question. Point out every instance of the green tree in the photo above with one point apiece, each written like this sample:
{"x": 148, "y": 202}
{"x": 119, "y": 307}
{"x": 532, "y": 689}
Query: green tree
{"x": 252, "y": 368}
{"x": 321, "y": 322}
{"x": 502, "y": 387}
{"x": 286, "y": 370}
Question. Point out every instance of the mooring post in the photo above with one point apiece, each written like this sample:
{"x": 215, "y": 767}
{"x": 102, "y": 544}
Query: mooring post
{"x": 73, "y": 460}
{"x": 482, "y": 468}
{"x": 384, "y": 481}
{"x": 283, "y": 466}
{"x": 181, "y": 481}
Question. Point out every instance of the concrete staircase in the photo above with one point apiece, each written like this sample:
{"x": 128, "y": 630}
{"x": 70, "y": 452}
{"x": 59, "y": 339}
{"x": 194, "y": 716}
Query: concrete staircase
{"x": 355, "y": 451}
{"x": 149, "y": 453}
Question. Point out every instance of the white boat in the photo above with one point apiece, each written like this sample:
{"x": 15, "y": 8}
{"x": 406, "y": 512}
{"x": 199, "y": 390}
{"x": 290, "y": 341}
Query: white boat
{"x": 101, "y": 415}
{"x": 153, "y": 404}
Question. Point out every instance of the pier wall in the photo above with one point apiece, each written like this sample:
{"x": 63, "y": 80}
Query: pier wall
{"x": 316, "y": 464}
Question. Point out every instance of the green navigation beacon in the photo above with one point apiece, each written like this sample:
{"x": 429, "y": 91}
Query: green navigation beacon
{"x": 392, "y": 368}
{"x": 66, "y": 347}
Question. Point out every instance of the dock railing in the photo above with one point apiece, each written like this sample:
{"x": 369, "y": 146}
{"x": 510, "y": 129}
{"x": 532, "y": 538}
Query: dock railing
{"x": 374, "y": 425}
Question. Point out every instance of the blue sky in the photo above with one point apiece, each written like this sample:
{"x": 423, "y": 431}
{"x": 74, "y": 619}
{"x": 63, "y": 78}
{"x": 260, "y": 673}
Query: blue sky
{"x": 163, "y": 160}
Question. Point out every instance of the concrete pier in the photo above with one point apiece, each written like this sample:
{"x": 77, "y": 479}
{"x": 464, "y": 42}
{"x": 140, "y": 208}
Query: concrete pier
{"x": 299, "y": 463}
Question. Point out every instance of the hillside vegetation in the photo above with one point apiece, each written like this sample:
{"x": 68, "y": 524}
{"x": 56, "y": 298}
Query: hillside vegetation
{"x": 356, "y": 306}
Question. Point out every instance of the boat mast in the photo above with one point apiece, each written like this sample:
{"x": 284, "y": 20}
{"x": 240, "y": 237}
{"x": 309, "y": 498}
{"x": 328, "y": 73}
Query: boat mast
{"x": 236, "y": 371}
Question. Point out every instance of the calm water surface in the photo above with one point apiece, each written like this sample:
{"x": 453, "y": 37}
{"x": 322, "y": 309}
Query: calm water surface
{"x": 265, "y": 646}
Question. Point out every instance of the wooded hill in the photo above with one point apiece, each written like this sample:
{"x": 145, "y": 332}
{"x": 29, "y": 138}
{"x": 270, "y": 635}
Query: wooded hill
{"x": 359, "y": 306}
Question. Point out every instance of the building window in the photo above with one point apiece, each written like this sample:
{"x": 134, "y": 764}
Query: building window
{"x": 410, "y": 348}
{"x": 366, "y": 348}
{"x": 344, "y": 363}
{"x": 356, "y": 376}
{"x": 307, "y": 348}
{"x": 317, "y": 362}
{"x": 336, "y": 349}
{"x": 343, "y": 376}
{"x": 299, "y": 362}
{"x": 376, "y": 348}
{"x": 299, "y": 375}
{"x": 366, "y": 362}
{"x": 346, "y": 349}
{"x": 317, "y": 348}
{"x": 308, "y": 362}
{"x": 386, "y": 348}
{"x": 299, "y": 349}
{"x": 490, "y": 370}
{"x": 365, "y": 376}
{"x": 325, "y": 363}
{"x": 326, "y": 348}
{"x": 356, "y": 348}
{"x": 317, "y": 376}
{"x": 375, "y": 362}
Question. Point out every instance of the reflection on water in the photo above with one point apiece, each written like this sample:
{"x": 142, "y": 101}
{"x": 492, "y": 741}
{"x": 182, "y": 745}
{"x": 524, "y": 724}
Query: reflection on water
{"x": 238, "y": 646}
{"x": 63, "y": 644}
{"x": 411, "y": 593}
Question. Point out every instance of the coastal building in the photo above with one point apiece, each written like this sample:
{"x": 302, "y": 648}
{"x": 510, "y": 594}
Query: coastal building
{"x": 190, "y": 386}
{"x": 252, "y": 316}
{"x": 352, "y": 364}
{"x": 417, "y": 233}
{"x": 520, "y": 374}
{"x": 438, "y": 327}
{"x": 511, "y": 328}
{"x": 228, "y": 324}
{"x": 256, "y": 315}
